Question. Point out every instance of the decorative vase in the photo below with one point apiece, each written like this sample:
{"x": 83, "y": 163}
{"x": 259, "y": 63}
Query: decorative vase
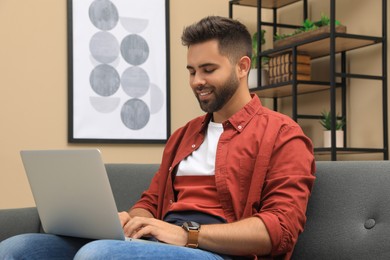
{"x": 339, "y": 138}
{"x": 252, "y": 80}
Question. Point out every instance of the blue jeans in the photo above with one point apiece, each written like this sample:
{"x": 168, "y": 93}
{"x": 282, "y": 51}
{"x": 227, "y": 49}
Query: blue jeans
{"x": 46, "y": 246}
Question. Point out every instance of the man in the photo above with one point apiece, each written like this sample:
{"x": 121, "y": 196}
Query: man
{"x": 234, "y": 182}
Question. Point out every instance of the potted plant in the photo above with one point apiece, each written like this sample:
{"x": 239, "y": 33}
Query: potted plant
{"x": 326, "y": 122}
{"x": 252, "y": 80}
{"x": 307, "y": 30}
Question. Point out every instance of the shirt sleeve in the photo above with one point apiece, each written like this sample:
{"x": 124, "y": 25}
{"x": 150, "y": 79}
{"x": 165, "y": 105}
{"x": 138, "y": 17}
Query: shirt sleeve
{"x": 287, "y": 188}
{"x": 149, "y": 198}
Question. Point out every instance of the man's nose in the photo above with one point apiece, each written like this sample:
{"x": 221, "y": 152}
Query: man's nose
{"x": 198, "y": 80}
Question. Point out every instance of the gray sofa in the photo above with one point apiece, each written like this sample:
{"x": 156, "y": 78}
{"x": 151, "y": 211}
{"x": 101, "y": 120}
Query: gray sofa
{"x": 348, "y": 215}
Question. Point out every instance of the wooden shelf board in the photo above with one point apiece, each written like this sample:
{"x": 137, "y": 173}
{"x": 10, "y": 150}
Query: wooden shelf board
{"x": 327, "y": 151}
{"x": 285, "y": 90}
{"x": 321, "y": 48}
{"x": 309, "y": 35}
{"x": 269, "y": 4}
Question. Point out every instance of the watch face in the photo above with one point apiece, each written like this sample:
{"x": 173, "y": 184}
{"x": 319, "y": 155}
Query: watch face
{"x": 191, "y": 225}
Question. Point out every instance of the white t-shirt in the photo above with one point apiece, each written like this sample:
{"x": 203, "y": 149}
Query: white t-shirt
{"x": 202, "y": 161}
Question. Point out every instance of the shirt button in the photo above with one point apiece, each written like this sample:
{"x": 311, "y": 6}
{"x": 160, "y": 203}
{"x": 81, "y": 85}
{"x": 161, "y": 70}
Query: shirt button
{"x": 170, "y": 201}
{"x": 239, "y": 127}
{"x": 193, "y": 146}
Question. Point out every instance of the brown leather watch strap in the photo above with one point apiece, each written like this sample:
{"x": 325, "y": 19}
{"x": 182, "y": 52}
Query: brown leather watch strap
{"x": 192, "y": 241}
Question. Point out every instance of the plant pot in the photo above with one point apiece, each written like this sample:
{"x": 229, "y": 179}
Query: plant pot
{"x": 252, "y": 80}
{"x": 339, "y": 139}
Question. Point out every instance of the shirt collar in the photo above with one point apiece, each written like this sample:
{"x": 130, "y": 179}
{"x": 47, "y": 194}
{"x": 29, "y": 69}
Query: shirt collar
{"x": 240, "y": 119}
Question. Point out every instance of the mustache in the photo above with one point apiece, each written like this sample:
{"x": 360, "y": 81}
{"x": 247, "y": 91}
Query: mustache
{"x": 204, "y": 87}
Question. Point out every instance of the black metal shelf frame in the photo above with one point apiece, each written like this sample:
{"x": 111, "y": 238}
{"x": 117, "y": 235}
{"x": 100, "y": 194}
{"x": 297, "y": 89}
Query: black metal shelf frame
{"x": 334, "y": 75}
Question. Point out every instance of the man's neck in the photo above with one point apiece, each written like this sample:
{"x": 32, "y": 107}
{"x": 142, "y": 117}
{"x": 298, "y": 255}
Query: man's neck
{"x": 235, "y": 104}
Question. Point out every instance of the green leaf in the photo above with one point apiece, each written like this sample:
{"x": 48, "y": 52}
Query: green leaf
{"x": 326, "y": 121}
{"x": 255, "y": 46}
{"x": 307, "y": 24}
{"x": 325, "y": 20}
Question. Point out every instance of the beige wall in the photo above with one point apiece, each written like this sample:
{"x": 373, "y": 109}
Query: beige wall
{"x": 33, "y": 79}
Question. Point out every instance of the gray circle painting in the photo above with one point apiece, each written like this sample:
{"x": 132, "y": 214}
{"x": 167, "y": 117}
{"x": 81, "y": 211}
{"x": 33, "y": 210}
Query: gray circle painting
{"x": 104, "y": 80}
{"x": 104, "y": 47}
{"x": 103, "y": 14}
{"x": 135, "y": 82}
{"x": 134, "y": 49}
{"x": 120, "y": 78}
{"x": 135, "y": 114}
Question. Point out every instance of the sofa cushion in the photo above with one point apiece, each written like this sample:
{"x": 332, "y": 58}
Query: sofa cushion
{"x": 128, "y": 181}
{"x": 348, "y": 215}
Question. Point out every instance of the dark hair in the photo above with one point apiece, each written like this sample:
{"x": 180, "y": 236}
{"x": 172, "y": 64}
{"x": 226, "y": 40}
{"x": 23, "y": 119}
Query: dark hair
{"x": 233, "y": 38}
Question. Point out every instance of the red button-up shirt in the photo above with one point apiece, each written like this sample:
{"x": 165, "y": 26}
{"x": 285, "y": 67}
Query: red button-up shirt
{"x": 264, "y": 167}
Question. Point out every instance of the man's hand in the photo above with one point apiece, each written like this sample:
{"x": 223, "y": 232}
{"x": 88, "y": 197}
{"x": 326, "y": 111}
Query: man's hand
{"x": 124, "y": 217}
{"x": 140, "y": 223}
{"x": 137, "y": 227}
{"x": 244, "y": 237}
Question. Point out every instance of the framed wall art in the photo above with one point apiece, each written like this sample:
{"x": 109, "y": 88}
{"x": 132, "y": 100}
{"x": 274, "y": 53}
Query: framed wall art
{"x": 118, "y": 71}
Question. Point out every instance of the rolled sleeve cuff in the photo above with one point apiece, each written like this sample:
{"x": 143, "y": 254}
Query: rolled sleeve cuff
{"x": 145, "y": 206}
{"x": 281, "y": 242}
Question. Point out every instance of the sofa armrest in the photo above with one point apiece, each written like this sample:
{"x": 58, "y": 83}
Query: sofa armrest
{"x": 18, "y": 221}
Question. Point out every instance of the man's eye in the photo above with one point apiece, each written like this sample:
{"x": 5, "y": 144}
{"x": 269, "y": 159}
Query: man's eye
{"x": 209, "y": 70}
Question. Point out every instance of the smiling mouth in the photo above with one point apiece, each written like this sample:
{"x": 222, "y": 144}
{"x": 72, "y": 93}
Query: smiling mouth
{"x": 204, "y": 96}
{"x": 204, "y": 93}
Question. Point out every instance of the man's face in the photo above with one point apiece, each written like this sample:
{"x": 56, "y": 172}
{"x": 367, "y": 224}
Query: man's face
{"x": 212, "y": 77}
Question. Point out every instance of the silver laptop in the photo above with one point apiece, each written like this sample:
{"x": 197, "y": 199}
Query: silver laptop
{"x": 72, "y": 193}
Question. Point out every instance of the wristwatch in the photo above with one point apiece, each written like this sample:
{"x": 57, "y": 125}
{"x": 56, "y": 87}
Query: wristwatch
{"x": 193, "y": 231}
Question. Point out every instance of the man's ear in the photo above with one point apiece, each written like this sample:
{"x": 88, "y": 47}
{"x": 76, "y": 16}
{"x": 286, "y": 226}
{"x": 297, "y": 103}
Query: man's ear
{"x": 244, "y": 65}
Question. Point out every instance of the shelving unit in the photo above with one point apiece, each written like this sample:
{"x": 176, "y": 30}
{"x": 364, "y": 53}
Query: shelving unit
{"x": 325, "y": 45}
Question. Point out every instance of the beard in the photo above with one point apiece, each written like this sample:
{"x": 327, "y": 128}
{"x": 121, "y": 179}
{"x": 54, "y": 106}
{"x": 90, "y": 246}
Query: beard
{"x": 221, "y": 95}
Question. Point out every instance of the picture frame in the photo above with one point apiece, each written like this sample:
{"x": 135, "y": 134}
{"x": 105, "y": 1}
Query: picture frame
{"x": 118, "y": 71}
